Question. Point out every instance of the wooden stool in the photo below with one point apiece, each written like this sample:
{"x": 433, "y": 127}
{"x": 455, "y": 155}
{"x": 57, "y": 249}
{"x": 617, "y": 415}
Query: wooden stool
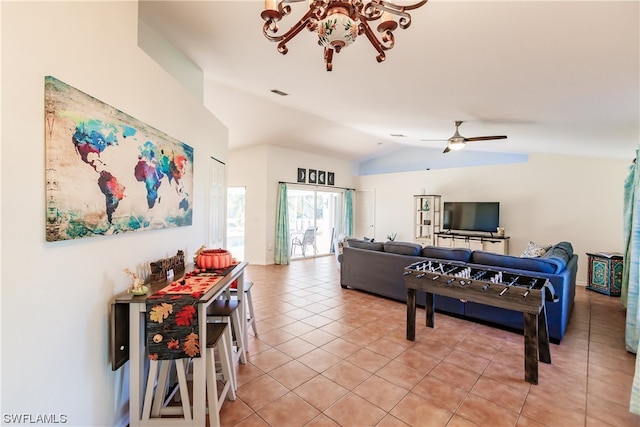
{"x": 227, "y": 311}
{"x": 249, "y": 316}
{"x": 155, "y": 404}
{"x": 218, "y": 335}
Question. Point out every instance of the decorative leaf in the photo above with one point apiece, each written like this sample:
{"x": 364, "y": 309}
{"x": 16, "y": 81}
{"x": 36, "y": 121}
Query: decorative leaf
{"x": 160, "y": 312}
{"x": 173, "y": 344}
{"x": 191, "y": 345}
{"x": 184, "y": 317}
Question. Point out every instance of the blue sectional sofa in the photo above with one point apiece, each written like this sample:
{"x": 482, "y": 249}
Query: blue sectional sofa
{"x": 378, "y": 268}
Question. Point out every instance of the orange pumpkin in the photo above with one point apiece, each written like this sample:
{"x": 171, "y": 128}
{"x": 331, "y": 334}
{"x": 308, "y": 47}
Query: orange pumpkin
{"x": 212, "y": 259}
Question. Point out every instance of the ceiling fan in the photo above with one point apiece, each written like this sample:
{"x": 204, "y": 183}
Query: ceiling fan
{"x": 458, "y": 142}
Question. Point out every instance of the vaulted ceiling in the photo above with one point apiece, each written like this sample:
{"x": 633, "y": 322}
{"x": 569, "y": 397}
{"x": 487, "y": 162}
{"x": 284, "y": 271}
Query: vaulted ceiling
{"x": 559, "y": 77}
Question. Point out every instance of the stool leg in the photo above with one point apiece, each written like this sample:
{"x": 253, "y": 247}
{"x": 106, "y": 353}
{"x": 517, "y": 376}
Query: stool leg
{"x": 151, "y": 381}
{"x": 228, "y": 348}
{"x": 161, "y": 388}
{"x": 226, "y": 363}
{"x": 251, "y": 313}
{"x": 182, "y": 382}
{"x": 239, "y": 333}
{"x": 212, "y": 389}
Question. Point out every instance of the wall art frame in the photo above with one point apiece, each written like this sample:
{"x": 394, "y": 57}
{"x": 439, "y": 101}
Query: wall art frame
{"x": 109, "y": 173}
{"x": 302, "y": 175}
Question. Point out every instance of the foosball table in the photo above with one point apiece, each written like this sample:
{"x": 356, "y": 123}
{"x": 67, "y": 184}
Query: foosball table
{"x": 526, "y": 294}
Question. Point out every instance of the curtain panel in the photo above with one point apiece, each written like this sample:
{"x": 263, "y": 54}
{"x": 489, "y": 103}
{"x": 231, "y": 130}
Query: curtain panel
{"x": 348, "y": 213}
{"x": 630, "y": 295}
{"x": 282, "y": 227}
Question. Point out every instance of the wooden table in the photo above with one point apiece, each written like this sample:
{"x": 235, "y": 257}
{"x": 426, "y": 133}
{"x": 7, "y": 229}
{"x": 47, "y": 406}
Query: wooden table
{"x": 137, "y": 349}
{"x": 532, "y": 305}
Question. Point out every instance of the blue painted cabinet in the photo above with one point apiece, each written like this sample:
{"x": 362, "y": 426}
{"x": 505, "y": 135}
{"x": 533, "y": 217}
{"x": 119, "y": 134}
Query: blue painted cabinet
{"x": 605, "y": 272}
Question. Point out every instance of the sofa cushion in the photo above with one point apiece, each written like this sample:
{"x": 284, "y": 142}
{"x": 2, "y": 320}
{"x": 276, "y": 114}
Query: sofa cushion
{"x": 540, "y": 265}
{"x": 403, "y": 248}
{"x": 559, "y": 254}
{"x": 454, "y": 254}
{"x": 533, "y": 250}
{"x": 361, "y": 244}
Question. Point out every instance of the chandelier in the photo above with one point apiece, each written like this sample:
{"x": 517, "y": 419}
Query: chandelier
{"x": 338, "y": 23}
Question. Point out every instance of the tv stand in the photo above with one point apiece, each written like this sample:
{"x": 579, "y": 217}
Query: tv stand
{"x": 477, "y": 242}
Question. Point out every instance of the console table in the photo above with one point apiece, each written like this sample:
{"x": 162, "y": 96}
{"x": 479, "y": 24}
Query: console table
{"x": 526, "y": 294}
{"x": 129, "y": 338}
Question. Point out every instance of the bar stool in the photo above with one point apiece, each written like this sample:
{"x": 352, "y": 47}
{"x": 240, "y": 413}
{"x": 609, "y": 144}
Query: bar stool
{"x": 249, "y": 316}
{"x": 226, "y": 310}
{"x": 218, "y": 335}
{"x": 155, "y": 404}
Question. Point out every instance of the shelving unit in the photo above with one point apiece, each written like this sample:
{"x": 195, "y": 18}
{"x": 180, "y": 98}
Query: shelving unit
{"x": 427, "y": 218}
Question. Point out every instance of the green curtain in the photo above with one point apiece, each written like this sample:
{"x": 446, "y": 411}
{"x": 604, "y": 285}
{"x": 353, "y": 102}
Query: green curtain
{"x": 630, "y": 290}
{"x": 282, "y": 227}
{"x": 348, "y": 213}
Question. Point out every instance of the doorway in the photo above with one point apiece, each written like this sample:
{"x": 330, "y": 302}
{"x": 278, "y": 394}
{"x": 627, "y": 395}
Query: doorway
{"x": 318, "y": 214}
{"x": 235, "y": 221}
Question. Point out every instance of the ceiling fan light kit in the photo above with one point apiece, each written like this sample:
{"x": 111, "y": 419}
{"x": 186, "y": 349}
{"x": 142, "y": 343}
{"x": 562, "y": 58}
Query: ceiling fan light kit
{"x": 338, "y": 23}
{"x": 458, "y": 142}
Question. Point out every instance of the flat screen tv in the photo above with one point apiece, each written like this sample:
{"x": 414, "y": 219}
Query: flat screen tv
{"x": 471, "y": 216}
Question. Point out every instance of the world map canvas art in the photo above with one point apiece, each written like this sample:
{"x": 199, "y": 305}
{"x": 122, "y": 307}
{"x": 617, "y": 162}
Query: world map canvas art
{"x": 109, "y": 173}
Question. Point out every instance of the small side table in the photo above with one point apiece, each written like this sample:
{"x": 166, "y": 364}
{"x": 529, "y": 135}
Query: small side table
{"x": 605, "y": 272}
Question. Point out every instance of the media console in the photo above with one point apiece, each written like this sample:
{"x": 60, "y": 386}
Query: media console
{"x": 497, "y": 244}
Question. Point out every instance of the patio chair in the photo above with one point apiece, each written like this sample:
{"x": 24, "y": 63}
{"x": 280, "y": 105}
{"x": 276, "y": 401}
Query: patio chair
{"x": 308, "y": 239}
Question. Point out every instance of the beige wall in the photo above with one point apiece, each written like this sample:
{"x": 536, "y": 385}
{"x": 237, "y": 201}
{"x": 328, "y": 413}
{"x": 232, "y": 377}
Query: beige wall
{"x": 259, "y": 169}
{"x": 55, "y": 296}
{"x": 547, "y": 200}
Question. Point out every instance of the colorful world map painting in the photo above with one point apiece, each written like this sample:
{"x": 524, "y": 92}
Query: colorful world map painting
{"x": 109, "y": 173}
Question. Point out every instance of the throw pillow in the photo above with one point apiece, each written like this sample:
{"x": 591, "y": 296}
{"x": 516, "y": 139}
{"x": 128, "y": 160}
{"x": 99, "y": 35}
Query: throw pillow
{"x": 532, "y": 250}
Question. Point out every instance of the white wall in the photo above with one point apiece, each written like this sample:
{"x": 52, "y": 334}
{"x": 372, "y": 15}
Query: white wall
{"x": 547, "y": 200}
{"x": 55, "y": 296}
{"x": 259, "y": 169}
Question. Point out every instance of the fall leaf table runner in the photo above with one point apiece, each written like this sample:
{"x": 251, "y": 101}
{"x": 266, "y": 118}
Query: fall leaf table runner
{"x": 172, "y": 317}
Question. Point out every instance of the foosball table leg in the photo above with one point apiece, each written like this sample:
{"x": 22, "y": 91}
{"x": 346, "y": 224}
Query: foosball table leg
{"x": 531, "y": 348}
{"x": 430, "y": 310}
{"x": 544, "y": 352}
{"x": 411, "y": 314}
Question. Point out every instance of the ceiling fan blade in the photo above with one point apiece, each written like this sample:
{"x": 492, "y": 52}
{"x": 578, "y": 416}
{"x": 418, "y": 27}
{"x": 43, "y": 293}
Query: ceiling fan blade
{"x": 486, "y": 138}
{"x": 446, "y": 150}
{"x": 434, "y": 140}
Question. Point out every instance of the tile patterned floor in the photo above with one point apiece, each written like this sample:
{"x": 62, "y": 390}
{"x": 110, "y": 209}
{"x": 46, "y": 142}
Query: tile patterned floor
{"x": 326, "y": 356}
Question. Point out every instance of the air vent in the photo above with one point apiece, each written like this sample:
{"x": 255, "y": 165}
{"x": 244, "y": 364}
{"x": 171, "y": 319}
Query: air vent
{"x": 279, "y": 92}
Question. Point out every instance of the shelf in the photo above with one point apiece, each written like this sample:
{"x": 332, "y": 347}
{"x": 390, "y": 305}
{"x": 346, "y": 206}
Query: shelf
{"x": 430, "y": 215}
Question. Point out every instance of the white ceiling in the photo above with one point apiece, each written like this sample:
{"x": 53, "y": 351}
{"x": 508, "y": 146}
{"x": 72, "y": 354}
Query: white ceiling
{"x": 555, "y": 76}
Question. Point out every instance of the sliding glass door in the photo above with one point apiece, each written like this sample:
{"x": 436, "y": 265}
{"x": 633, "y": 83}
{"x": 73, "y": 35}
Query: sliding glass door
{"x": 315, "y": 218}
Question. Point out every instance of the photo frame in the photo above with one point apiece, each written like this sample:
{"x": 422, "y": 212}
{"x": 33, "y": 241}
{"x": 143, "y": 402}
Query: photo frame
{"x": 313, "y": 176}
{"x": 331, "y": 178}
{"x": 302, "y": 175}
{"x": 322, "y": 177}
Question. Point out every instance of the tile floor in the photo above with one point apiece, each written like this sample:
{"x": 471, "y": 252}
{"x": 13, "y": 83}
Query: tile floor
{"x": 326, "y": 356}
